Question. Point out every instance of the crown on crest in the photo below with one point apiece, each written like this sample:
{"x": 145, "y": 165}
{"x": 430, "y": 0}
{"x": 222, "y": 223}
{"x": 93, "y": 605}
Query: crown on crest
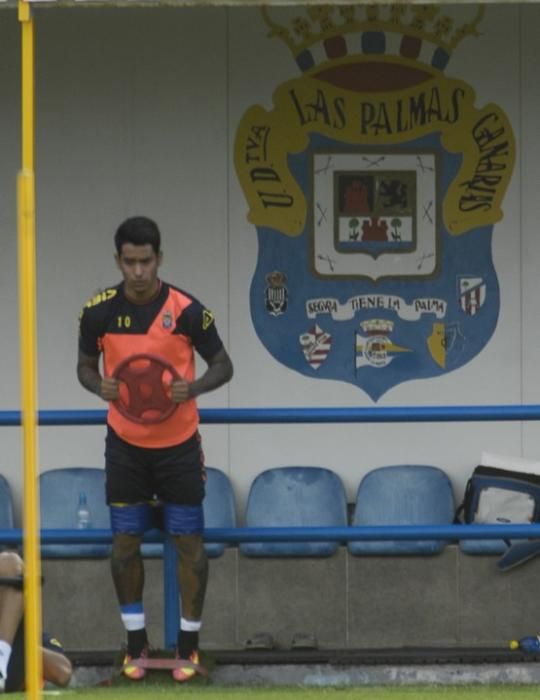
{"x": 377, "y": 326}
{"x": 326, "y": 33}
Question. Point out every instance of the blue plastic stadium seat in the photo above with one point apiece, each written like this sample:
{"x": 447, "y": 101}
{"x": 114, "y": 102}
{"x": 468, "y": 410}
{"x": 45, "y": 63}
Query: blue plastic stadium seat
{"x": 219, "y": 507}
{"x": 219, "y": 511}
{"x": 487, "y": 546}
{"x": 483, "y": 546}
{"x": 295, "y": 497}
{"x": 6, "y": 511}
{"x": 59, "y": 498}
{"x": 404, "y": 494}
{"x": 6, "y": 505}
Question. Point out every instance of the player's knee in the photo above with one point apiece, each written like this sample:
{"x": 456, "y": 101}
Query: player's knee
{"x": 183, "y": 519}
{"x": 60, "y": 671}
{"x": 11, "y": 564}
{"x": 191, "y": 549}
{"x": 63, "y": 677}
{"x": 125, "y": 549}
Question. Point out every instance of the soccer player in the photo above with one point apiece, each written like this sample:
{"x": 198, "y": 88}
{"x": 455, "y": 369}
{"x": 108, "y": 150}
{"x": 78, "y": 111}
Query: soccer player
{"x": 158, "y": 458}
{"x": 57, "y": 667}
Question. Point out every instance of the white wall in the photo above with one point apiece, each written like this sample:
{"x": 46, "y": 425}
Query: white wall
{"x": 137, "y": 111}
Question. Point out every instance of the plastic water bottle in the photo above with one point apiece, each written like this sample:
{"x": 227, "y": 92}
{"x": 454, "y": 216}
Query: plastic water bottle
{"x": 530, "y": 645}
{"x": 83, "y": 512}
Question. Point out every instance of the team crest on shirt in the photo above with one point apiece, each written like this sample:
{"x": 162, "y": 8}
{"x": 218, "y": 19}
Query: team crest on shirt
{"x": 167, "y": 320}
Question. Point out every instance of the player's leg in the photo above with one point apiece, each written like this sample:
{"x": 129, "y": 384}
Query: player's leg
{"x": 57, "y": 668}
{"x": 11, "y": 610}
{"x": 11, "y": 598}
{"x": 128, "y": 577}
{"x": 128, "y": 491}
{"x": 193, "y": 578}
{"x": 181, "y": 478}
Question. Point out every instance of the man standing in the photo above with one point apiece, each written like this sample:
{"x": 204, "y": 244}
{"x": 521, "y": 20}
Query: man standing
{"x": 146, "y": 332}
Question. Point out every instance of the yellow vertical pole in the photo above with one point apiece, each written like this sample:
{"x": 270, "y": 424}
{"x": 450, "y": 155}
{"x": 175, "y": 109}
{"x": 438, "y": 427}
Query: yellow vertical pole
{"x": 27, "y": 312}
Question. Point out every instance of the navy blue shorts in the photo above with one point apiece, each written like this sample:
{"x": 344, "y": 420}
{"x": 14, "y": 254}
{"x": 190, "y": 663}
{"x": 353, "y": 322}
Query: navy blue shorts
{"x": 16, "y": 667}
{"x": 139, "y": 474}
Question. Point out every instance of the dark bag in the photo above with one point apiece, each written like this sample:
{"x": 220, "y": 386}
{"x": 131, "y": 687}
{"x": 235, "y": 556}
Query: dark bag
{"x": 495, "y": 495}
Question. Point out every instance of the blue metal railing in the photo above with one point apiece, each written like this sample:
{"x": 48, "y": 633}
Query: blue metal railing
{"x": 352, "y": 533}
{"x": 246, "y": 416}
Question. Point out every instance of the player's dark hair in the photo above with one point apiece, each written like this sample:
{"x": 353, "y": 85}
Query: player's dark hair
{"x": 138, "y": 230}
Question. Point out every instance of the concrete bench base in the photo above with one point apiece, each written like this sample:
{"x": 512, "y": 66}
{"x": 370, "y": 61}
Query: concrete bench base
{"x": 345, "y": 602}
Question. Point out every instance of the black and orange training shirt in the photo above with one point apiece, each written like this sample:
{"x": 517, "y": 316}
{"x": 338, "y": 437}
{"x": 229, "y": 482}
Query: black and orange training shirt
{"x": 170, "y": 326}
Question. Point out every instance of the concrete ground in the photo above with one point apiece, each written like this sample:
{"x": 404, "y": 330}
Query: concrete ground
{"x": 343, "y": 669}
{"x": 344, "y": 676}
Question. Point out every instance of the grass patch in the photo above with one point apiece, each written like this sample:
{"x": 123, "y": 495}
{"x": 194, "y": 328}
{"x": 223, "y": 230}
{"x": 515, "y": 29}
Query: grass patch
{"x": 209, "y": 692}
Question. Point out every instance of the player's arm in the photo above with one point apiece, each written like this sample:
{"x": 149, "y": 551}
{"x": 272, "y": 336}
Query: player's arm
{"x": 218, "y": 372}
{"x": 57, "y": 668}
{"x": 198, "y": 324}
{"x": 88, "y": 371}
{"x": 89, "y": 376}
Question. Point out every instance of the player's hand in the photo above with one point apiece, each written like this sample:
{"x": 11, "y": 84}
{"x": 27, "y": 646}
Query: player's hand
{"x": 180, "y": 391}
{"x": 110, "y": 389}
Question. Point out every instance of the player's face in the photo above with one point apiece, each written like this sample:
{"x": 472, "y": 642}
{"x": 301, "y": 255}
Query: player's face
{"x": 139, "y": 266}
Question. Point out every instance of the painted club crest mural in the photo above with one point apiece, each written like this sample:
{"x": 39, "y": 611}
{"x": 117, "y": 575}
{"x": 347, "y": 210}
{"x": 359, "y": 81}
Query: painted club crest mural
{"x": 374, "y": 184}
